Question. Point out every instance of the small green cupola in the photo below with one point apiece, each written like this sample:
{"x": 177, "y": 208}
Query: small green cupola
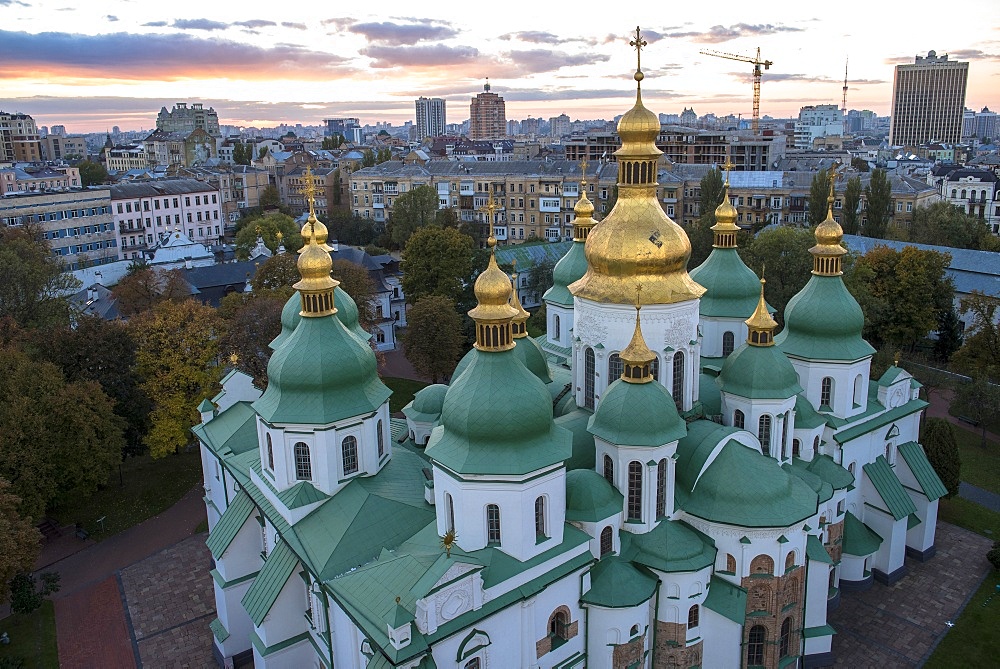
{"x": 526, "y": 348}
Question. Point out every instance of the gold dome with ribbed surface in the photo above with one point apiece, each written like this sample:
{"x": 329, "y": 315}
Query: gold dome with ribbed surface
{"x": 316, "y": 285}
{"x": 828, "y": 253}
{"x": 636, "y": 358}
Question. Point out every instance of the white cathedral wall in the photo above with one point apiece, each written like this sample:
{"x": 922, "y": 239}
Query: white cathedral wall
{"x": 817, "y": 593}
{"x": 243, "y": 555}
{"x": 559, "y": 324}
{"x": 622, "y": 456}
{"x": 346, "y": 639}
{"x": 594, "y": 529}
{"x": 752, "y": 410}
{"x": 233, "y": 617}
{"x": 679, "y": 591}
{"x": 287, "y": 615}
{"x": 852, "y": 568}
{"x": 607, "y": 628}
{"x": 215, "y": 486}
{"x": 849, "y": 394}
{"x": 712, "y": 330}
{"x": 890, "y": 555}
{"x": 763, "y": 541}
{"x": 722, "y": 647}
{"x": 921, "y": 537}
{"x": 666, "y": 328}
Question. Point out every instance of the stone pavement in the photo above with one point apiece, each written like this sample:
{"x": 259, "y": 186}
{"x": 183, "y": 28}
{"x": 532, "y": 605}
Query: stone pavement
{"x": 91, "y": 629}
{"x": 900, "y": 625}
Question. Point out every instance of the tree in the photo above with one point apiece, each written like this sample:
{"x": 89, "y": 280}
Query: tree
{"x": 269, "y": 198}
{"x": 819, "y": 193}
{"x": 268, "y": 227}
{"x": 368, "y": 158}
{"x": 143, "y": 289}
{"x": 412, "y": 210}
{"x": 19, "y": 539}
{"x": 993, "y": 555}
{"x": 337, "y": 196}
{"x": 878, "y": 193}
{"x": 981, "y": 351}
{"x": 26, "y": 594}
{"x": 351, "y": 229}
{"x": 437, "y": 261}
{"x": 539, "y": 277}
{"x": 944, "y": 224}
{"x": 92, "y": 173}
{"x": 783, "y": 252}
{"x": 178, "y": 347}
{"x": 949, "y": 335}
{"x": 242, "y": 153}
{"x": 711, "y": 192}
{"x": 33, "y": 287}
{"x": 977, "y": 400}
{"x": 852, "y": 205}
{"x": 332, "y": 142}
{"x": 356, "y": 281}
{"x": 250, "y": 321}
{"x": 262, "y": 153}
{"x": 433, "y": 338}
{"x": 860, "y": 164}
{"x": 278, "y": 271}
{"x": 942, "y": 452}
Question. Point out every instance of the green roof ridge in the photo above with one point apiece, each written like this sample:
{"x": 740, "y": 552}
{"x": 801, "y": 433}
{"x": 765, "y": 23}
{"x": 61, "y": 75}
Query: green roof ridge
{"x": 823, "y": 321}
{"x": 301, "y": 494}
{"x": 815, "y": 550}
{"x": 916, "y": 459}
{"x": 672, "y": 546}
{"x": 889, "y": 488}
{"x": 568, "y": 270}
{"x": 845, "y": 435}
{"x": 727, "y": 599}
{"x": 759, "y": 372}
{"x": 859, "y": 539}
{"x": 824, "y": 467}
{"x": 229, "y": 524}
{"x": 617, "y": 583}
{"x": 277, "y": 569}
{"x": 589, "y": 496}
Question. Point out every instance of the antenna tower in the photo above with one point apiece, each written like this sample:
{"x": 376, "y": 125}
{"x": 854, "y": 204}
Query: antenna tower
{"x": 843, "y": 104}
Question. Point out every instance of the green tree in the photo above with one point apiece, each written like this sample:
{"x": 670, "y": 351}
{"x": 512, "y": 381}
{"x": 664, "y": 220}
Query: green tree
{"x": 412, "y": 210}
{"x": 92, "y": 173}
{"x": 270, "y": 198}
{"x": 980, "y": 353}
{"x": 852, "y": 204}
{"x": 368, "y": 158}
{"x": 433, "y": 338}
{"x": 783, "y": 252}
{"x": 277, "y": 272}
{"x": 878, "y": 193}
{"x": 711, "y": 192}
{"x": 943, "y": 224}
{"x": 977, "y": 400}
{"x": 178, "y": 345}
{"x": 20, "y": 541}
{"x": 351, "y": 229}
{"x": 262, "y": 153}
{"x": 143, "y": 289}
{"x": 860, "y": 164}
{"x": 942, "y": 452}
{"x": 539, "y": 277}
{"x": 249, "y": 322}
{"x": 437, "y": 261}
{"x": 819, "y": 192}
{"x": 383, "y": 155}
{"x": 268, "y": 228}
{"x": 33, "y": 287}
{"x": 26, "y": 594}
{"x": 357, "y": 282}
{"x": 949, "y": 335}
{"x": 333, "y": 142}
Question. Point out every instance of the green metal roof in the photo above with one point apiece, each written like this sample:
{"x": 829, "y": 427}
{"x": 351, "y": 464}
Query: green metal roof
{"x": 533, "y": 357}
{"x": 347, "y": 313}
{"x": 320, "y": 374}
{"x": 732, "y": 289}
{"x": 672, "y": 546}
{"x": 759, "y": 372}
{"x": 695, "y": 448}
{"x": 890, "y": 376}
{"x": 589, "y": 497}
{"x": 497, "y": 419}
{"x": 806, "y": 415}
{"x": 727, "y": 599}
{"x": 815, "y": 550}
{"x": 205, "y": 405}
{"x": 743, "y": 487}
{"x": 278, "y": 567}
{"x": 426, "y": 404}
{"x": 709, "y": 395}
{"x": 229, "y": 524}
{"x": 301, "y": 494}
{"x": 219, "y": 630}
{"x": 616, "y": 583}
{"x": 855, "y": 431}
{"x": 823, "y": 322}
{"x": 637, "y": 414}
{"x": 824, "y": 467}
{"x": 822, "y": 630}
{"x": 232, "y": 431}
{"x": 570, "y": 268}
{"x": 889, "y": 488}
{"x": 576, "y": 422}
{"x": 823, "y": 489}
{"x": 923, "y": 471}
{"x": 859, "y": 539}
{"x": 290, "y": 317}
{"x": 912, "y": 521}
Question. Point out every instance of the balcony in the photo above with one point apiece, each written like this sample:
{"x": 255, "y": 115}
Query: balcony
{"x": 552, "y": 234}
{"x": 548, "y": 204}
{"x": 500, "y": 233}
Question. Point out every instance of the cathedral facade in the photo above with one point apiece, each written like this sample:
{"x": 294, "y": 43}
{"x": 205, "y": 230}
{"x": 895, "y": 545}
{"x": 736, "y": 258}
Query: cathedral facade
{"x": 660, "y": 481}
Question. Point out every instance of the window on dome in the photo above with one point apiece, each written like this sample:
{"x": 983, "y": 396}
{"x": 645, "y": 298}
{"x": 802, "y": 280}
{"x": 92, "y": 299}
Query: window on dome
{"x": 270, "y": 454}
{"x": 349, "y": 450}
{"x": 492, "y": 523}
{"x": 379, "y": 436}
{"x": 303, "y": 465}
{"x": 540, "y": 518}
{"x": 693, "y": 616}
{"x": 858, "y": 389}
{"x": 615, "y": 368}
{"x": 739, "y": 420}
{"x": 609, "y": 469}
{"x": 661, "y": 488}
{"x": 826, "y": 392}
{"x": 816, "y": 445}
{"x": 449, "y": 507}
{"x": 678, "y": 384}
{"x": 786, "y": 633}
{"x": 730, "y": 563}
{"x": 654, "y": 369}
{"x": 764, "y": 433}
{"x": 607, "y": 541}
{"x": 786, "y": 419}
{"x": 555, "y": 326}
{"x": 755, "y": 645}
{"x": 634, "y": 490}
{"x": 728, "y": 343}
{"x": 589, "y": 368}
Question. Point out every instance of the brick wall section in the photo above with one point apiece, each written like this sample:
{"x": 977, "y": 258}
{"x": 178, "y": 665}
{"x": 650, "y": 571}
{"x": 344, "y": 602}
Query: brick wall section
{"x": 834, "y": 540}
{"x": 666, "y": 656}
{"x": 627, "y": 654}
{"x": 770, "y": 600}
{"x": 544, "y": 645}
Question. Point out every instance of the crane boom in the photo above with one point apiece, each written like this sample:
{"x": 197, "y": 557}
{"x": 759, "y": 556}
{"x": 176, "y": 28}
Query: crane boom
{"x": 756, "y": 62}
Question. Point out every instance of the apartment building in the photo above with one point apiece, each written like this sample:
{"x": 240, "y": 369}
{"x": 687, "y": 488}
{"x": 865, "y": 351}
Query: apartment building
{"x": 975, "y": 192}
{"x": 64, "y": 147}
{"x": 430, "y": 117}
{"x": 146, "y": 211}
{"x": 19, "y": 140}
{"x": 126, "y": 157}
{"x": 186, "y": 119}
{"x": 239, "y": 186}
{"x": 77, "y": 224}
{"x": 24, "y": 178}
{"x": 487, "y": 115}
{"x": 928, "y": 100}
{"x": 327, "y": 186}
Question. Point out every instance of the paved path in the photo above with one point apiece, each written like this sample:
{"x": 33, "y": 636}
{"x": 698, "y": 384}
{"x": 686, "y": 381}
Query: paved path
{"x": 900, "y": 625}
{"x": 990, "y": 500}
{"x": 92, "y": 630}
{"x": 940, "y": 399}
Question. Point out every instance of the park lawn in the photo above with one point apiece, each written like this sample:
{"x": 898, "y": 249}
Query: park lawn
{"x": 971, "y": 516}
{"x": 32, "y": 638}
{"x": 403, "y": 391}
{"x": 992, "y": 423}
{"x": 980, "y": 466}
{"x": 150, "y": 487}
{"x": 973, "y": 641}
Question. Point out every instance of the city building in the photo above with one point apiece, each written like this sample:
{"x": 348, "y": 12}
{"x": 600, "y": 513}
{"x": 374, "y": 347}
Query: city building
{"x": 184, "y": 119}
{"x": 817, "y": 121}
{"x": 559, "y": 126}
{"x": 487, "y": 115}
{"x": 59, "y": 147}
{"x": 682, "y": 489}
{"x": 348, "y": 128}
{"x": 19, "y": 139}
{"x": 28, "y": 177}
{"x": 77, "y": 223}
{"x": 430, "y": 117}
{"x": 975, "y": 192}
{"x": 146, "y": 212}
{"x": 928, "y": 100}
{"x": 181, "y": 149}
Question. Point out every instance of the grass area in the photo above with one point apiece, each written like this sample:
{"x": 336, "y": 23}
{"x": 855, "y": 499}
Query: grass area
{"x": 980, "y": 466}
{"x": 403, "y": 391}
{"x": 973, "y": 641}
{"x": 992, "y": 423}
{"x": 32, "y": 638}
{"x": 971, "y": 516}
{"x": 150, "y": 487}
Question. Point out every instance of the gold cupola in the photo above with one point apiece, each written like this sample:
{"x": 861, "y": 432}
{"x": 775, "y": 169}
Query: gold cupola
{"x": 583, "y": 211}
{"x": 725, "y": 228}
{"x": 761, "y": 325}
{"x": 316, "y": 285}
{"x": 519, "y": 324}
{"x": 828, "y": 253}
{"x": 315, "y": 226}
{"x": 637, "y": 359}
{"x": 493, "y": 312}
{"x": 637, "y": 243}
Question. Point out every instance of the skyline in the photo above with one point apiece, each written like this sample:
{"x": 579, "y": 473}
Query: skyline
{"x": 89, "y": 69}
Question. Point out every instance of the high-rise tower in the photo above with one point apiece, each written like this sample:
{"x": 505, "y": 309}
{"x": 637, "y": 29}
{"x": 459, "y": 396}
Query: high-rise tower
{"x": 487, "y": 115}
{"x": 928, "y": 97}
{"x": 430, "y": 117}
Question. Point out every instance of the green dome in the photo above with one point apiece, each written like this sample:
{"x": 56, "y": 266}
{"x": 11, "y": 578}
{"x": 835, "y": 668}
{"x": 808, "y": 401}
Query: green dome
{"x": 759, "y": 372}
{"x": 497, "y": 419}
{"x": 426, "y": 404}
{"x": 290, "y": 317}
{"x": 531, "y": 354}
{"x": 320, "y": 374}
{"x": 616, "y": 583}
{"x": 823, "y": 489}
{"x": 671, "y": 546}
{"x": 731, "y": 288}
{"x": 823, "y": 322}
{"x": 347, "y": 312}
{"x": 589, "y": 497}
{"x": 570, "y": 268}
{"x": 637, "y": 414}
{"x": 575, "y": 420}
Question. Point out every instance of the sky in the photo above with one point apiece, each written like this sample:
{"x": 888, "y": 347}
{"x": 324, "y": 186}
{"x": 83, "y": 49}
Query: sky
{"x": 94, "y": 64}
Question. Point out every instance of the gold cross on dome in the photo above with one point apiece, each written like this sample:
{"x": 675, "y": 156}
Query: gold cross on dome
{"x": 309, "y": 190}
{"x": 833, "y": 173}
{"x": 490, "y": 208}
{"x": 638, "y": 43}
{"x": 727, "y": 166}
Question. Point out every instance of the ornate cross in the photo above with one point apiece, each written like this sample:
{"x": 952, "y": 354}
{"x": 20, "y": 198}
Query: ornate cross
{"x": 833, "y": 174}
{"x": 490, "y": 209}
{"x": 638, "y": 43}
{"x": 727, "y": 166}
{"x": 583, "y": 168}
{"x": 309, "y": 190}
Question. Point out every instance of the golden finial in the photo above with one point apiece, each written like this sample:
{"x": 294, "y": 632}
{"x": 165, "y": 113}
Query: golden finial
{"x": 490, "y": 209}
{"x": 448, "y": 542}
{"x": 895, "y": 361}
{"x": 761, "y": 325}
{"x": 279, "y": 235}
{"x": 583, "y": 169}
{"x": 234, "y": 358}
{"x": 257, "y": 229}
{"x": 827, "y": 252}
{"x": 638, "y": 43}
{"x": 637, "y": 359}
{"x": 309, "y": 190}
{"x": 727, "y": 166}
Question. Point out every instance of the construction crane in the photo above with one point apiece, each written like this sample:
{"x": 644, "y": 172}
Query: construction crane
{"x": 756, "y": 62}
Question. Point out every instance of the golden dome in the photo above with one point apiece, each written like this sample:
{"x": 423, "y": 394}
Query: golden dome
{"x": 493, "y": 292}
{"x": 828, "y": 252}
{"x": 761, "y": 325}
{"x": 320, "y": 230}
{"x": 314, "y": 267}
{"x": 584, "y": 208}
{"x": 522, "y": 316}
{"x": 726, "y": 214}
{"x": 638, "y": 124}
{"x": 636, "y": 357}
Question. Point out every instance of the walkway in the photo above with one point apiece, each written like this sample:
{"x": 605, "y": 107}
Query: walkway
{"x": 940, "y": 399}
{"x": 982, "y": 497}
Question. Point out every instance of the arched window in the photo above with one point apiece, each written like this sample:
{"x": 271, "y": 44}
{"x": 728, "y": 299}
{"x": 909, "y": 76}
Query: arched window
{"x": 449, "y": 507}
{"x": 850, "y": 468}
{"x": 654, "y": 369}
{"x": 786, "y": 419}
{"x": 762, "y": 564}
{"x": 270, "y": 454}
{"x": 739, "y": 419}
{"x": 607, "y": 541}
{"x": 815, "y": 445}
{"x": 796, "y": 448}
{"x": 609, "y": 469}
{"x": 954, "y": 193}
{"x": 473, "y": 664}
{"x": 693, "y": 616}
{"x": 615, "y": 368}
{"x": 789, "y": 560}
{"x": 634, "y": 631}
{"x": 764, "y": 433}
{"x": 730, "y": 563}
{"x": 349, "y": 450}
{"x": 635, "y": 490}
{"x": 728, "y": 343}
{"x": 559, "y": 625}
{"x": 492, "y": 523}
{"x": 755, "y": 645}
{"x": 540, "y": 517}
{"x": 826, "y": 393}
{"x": 661, "y": 488}
{"x": 786, "y": 633}
{"x": 963, "y": 193}
{"x": 858, "y": 389}
{"x": 555, "y": 326}
{"x": 379, "y": 436}
{"x": 589, "y": 369}
{"x": 678, "y": 384}
{"x": 303, "y": 465}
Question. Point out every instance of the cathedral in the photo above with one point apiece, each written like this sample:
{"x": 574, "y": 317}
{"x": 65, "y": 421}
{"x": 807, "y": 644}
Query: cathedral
{"x": 659, "y": 481}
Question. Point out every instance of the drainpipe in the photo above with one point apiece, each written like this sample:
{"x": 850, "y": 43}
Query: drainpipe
{"x": 656, "y": 618}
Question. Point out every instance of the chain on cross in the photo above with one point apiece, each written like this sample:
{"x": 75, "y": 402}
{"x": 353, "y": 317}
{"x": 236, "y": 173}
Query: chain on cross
{"x": 638, "y": 43}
